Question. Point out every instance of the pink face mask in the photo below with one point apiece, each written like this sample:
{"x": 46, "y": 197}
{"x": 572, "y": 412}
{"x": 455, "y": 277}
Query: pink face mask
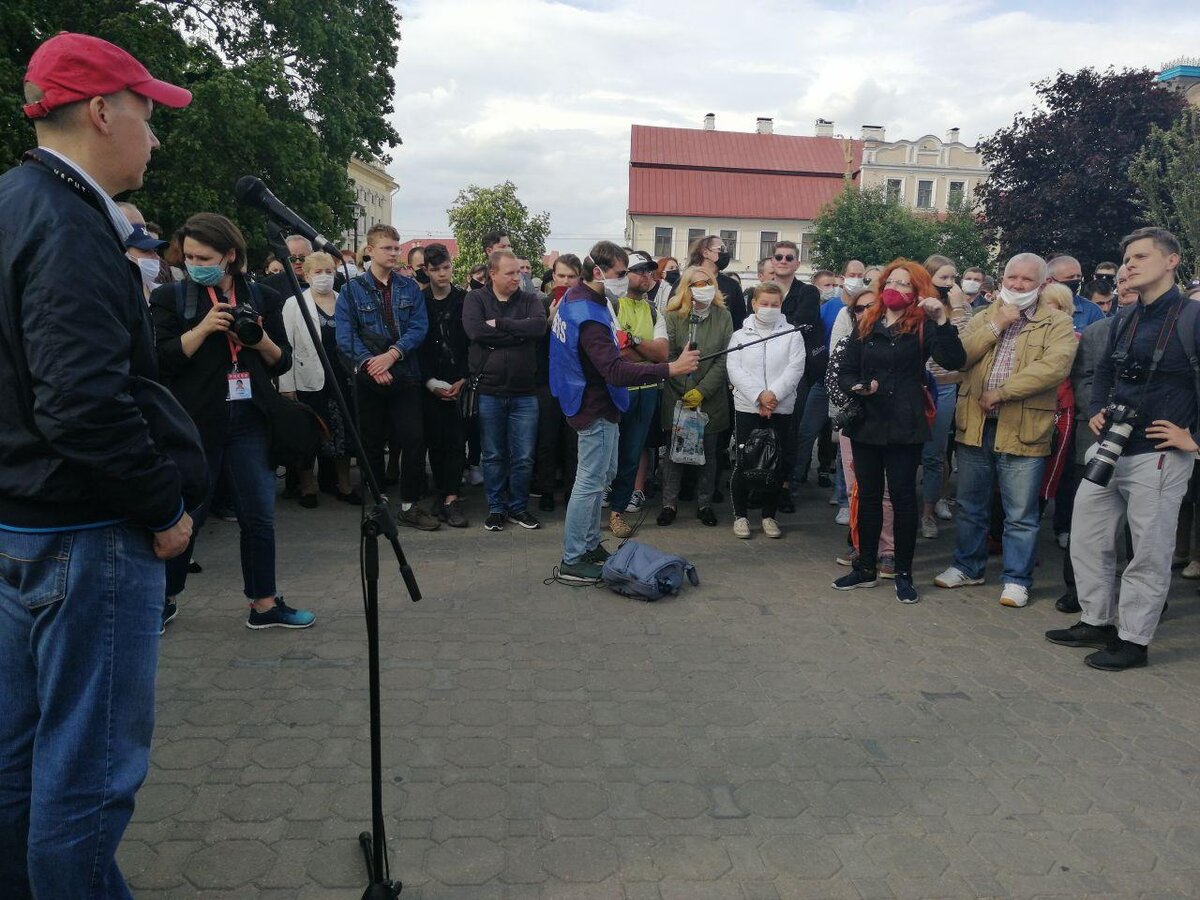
{"x": 893, "y": 299}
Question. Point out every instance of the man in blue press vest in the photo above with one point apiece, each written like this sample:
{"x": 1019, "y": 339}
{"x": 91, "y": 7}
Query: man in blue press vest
{"x": 589, "y": 378}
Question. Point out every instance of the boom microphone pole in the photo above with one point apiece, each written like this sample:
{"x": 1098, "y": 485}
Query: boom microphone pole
{"x": 376, "y": 522}
{"x": 769, "y": 337}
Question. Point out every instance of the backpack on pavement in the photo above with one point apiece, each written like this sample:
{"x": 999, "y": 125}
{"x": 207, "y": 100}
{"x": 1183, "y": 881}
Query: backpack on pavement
{"x": 637, "y": 570}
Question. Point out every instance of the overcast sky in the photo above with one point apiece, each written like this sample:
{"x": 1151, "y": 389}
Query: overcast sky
{"x": 543, "y": 92}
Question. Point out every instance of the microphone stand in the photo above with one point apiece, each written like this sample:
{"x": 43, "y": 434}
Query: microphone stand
{"x": 769, "y": 337}
{"x": 377, "y": 522}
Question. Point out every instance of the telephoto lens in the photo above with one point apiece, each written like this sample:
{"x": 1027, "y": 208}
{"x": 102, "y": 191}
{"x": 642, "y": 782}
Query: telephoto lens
{"x": 245, "y": 324}
{"x": 1100, "y": 469}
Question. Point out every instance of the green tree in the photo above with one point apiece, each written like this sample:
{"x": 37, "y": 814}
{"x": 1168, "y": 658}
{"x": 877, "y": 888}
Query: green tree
{"x": 867, "y": 225}
{"x": 961, "y": 236}
{"x": 477, "y": 210}
{"x": 1166, "y": 173}
{"x": 1059, "y": 175}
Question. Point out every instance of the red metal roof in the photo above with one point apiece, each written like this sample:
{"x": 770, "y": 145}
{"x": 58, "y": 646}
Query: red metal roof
{"x": 690, "y": 192}
{"x": 451, "y": 245}
{"x": 694, "y": 147}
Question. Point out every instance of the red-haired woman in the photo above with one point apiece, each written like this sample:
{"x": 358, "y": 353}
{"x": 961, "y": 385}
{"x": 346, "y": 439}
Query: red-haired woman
{"x": 884, "y": 366}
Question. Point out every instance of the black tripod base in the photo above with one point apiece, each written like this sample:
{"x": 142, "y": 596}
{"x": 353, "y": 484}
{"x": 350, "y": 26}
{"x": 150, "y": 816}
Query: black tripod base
{"x": 376, "y": 890}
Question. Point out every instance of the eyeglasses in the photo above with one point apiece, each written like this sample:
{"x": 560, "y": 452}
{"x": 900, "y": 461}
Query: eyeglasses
{"x": 899, "y": 285}
{"x": 784, "y": 257}
{"x": 297, "y": 259}
{"x": 859, "y": 310}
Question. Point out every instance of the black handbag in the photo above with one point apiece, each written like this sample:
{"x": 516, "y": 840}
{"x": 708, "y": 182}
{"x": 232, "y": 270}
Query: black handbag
{"x": 174, "y": 435}
{"x": 758, "y": 459}
{"x": 296, "y": 430}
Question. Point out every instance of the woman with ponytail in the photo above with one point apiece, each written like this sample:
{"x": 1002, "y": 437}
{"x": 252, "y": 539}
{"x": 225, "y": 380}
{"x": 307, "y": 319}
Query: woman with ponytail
{"x": 884, "y": 366}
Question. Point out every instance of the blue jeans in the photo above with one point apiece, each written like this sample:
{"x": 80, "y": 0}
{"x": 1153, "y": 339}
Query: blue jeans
{"x": 508, "y": 429}
{"x": 243, "y": 458}
{"x": 840, "y": 493}
{"x": 1020, "y": 479}
{"x": 814, "y": 415}
{"x": 933, "y": 457}
{"x": 635, "y": 427}
{"x": 80, "y": 613}
{"x": 597, "y": 466}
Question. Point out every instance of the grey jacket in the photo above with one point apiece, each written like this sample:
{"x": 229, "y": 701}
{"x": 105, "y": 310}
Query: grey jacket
{"x": 1092, "y": 345}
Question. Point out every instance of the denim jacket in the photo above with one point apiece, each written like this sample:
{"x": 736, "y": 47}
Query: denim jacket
{"x": 359, "y": 306}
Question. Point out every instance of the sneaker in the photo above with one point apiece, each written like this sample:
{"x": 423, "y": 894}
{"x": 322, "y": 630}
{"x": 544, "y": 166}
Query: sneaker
{"x": 451, "y": 513}
{"x": 525, "y": 519}
{"x": 906, "y": 591}
{"x": 953, "y": 578}
{"x": 582, "y": 572}
{"x": 929, "y": 528}
{"x": 604, "y": 502}
{"x": 1015, "y": 596}
{"x": 1118, "y": 656}
{"x": 636, "y": 502}
{"x": 415, "y": 517}
{"x": 843, "y": 516}
{"x": 280, "y": 616}
{"x": 741, "y": 528}
{"x": 494, "y": 522}
{"x": 849, "y": 558}
{"x": 599, "y": 556}
{"x": 771, "y": 528}
{"x": 834, "y": 501}
{"x": 1180, "y": 559}
{"x": 706, "y": 516}
{"x": 194, "y": 568}
{"x": 474, "y": 475}
{"x": 546, "y": 503}
{"x": 1064, "y": 539}
{"x": 786, "y": 503}
{"x": 1081, "y": 634}
{"x": 618, "y": 526}
{"x": 823, "y": 480}
{"x": 887, "y": 567}
{"x": 667, "y": 516}
{"x": 309, "y": 501}
{"x": 941, "y": 509}
{"x": 857, "y": 578}
{"x": 170, "y": 611}
{"x": 1191, "y": 571}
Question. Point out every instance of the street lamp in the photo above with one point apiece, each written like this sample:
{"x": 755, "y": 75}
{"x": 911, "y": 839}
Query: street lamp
{"x": 359, "y": 211}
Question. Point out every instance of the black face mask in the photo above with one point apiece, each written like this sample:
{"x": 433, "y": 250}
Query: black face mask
{"x": 943, "y": 292}
{"x": 671, "y": 276}
{"x": 475, "y": 284}
{"x": 421, "y": 276}
{"x": 722, "y": 260}
{"x": 1073, "y": 284}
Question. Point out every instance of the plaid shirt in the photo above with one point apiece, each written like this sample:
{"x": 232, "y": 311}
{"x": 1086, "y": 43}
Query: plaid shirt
{"x": 1006, "y": 350}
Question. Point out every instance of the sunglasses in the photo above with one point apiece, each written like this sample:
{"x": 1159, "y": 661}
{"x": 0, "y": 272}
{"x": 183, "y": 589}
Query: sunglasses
{"x": 297, "y": 259}
{"x": 784, "y": 257}
{"x": 859, "y": 310}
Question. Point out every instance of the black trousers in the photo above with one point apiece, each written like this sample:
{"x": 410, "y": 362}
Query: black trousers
{"x": 557, "y": 443}
{"x": 899, "y": 464}
{"x": 394, "y": 418}
{"x": 743, "y": 424}
{"x": 446, "y": 441}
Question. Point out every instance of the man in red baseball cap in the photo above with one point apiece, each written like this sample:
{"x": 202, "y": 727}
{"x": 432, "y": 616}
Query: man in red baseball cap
{"x": 90, "y": 505}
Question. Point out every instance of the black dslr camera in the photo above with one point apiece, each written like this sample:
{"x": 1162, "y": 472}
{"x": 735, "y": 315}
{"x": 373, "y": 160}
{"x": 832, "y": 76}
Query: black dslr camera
{"x": 245, "y": 324}
{"x": 1121, "y": 420}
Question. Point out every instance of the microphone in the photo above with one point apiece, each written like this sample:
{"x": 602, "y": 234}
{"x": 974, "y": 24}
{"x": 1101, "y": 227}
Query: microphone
{"x": 253, "y": 192}
{"x": 694, "y": 320}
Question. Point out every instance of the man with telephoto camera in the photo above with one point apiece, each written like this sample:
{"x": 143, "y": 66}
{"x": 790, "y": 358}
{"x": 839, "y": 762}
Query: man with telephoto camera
{"x": 1144, "y": 408}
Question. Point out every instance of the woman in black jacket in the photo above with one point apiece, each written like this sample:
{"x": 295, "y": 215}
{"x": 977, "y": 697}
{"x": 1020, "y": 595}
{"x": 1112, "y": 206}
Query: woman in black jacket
{"x": 219, "y": 364}
{"x": 884, "y": 365}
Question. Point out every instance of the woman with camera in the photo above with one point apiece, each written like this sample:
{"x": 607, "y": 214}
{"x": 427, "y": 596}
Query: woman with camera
{"x": 220, "y": 341}
{"x": 764, "y": 378}
{"x": 884, "y": 367}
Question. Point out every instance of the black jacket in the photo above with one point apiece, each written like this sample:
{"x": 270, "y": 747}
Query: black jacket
{"x": 75, "y": 449}
{"x": 802, "y": 306}
{"x": 895, "y": 414}
{"x": 443, "y": 353}
{"x": 505, "y": 356}
{"x": 200, "y": 382}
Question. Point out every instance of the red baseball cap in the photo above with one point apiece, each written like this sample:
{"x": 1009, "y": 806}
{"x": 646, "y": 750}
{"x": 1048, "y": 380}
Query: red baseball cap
{"x": 71, "y": 67}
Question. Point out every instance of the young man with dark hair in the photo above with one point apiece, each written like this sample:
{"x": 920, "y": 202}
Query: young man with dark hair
{"x": 379, "y": 307}
{"x": 972, "y": 286}
{"x": 590, "y": 380}
{"x": 493, "y": 241}
{"x": 1146, "y": 379}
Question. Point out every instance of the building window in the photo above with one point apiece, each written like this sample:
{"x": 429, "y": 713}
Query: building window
{"x": 924, "y": 195}
{"x": 895, "y": 190}
{"x": 958, "y": 193}
{"x": 766, "y": 243}
{"x": 663, "y": 238}
{"x": 806, "y": 248}
{"x": 730, "y": 239}
{"x": 694, "y": 234}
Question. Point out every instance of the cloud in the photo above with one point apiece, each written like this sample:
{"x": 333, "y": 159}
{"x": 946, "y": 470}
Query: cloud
{"x": 543, "y": 92}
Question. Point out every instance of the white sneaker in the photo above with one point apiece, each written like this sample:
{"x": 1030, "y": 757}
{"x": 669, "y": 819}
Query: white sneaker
{"x": 929, "y": 527}
{"x": 843, "y": 516}
{"x": 1191, "y": 570}
{"x": 771, "y": 528}
{"x": 1064, "y": 539}
{"x": 741, "y": 528}
{"x": 636, "y": 501}
{"x": 953, "y": 578}
{"x": 475, "y": 475}
{"x": 1014, "y": 595}
{"x": 941, "y": 509}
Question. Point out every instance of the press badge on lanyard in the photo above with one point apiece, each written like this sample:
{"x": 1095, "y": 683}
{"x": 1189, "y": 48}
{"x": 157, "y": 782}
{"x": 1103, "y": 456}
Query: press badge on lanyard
{"x": 238, "y": 379}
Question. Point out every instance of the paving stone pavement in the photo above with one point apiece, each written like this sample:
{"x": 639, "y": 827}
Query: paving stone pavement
{"x": 760, "y": 737}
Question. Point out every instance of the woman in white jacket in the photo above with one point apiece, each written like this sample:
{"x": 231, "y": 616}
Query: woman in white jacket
{"x": 764, "y": 379}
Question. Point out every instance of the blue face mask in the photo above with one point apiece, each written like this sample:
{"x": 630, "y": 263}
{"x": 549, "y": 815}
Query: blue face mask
{"x": 206, "y": 275}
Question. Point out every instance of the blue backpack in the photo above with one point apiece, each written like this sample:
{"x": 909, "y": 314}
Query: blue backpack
{"x": 637, "y": 570}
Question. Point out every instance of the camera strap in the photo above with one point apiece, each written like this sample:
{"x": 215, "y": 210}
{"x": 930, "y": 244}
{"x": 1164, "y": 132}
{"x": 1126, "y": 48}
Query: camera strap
{"x": 1164, "y": 336}
{"x": 233, "y": 347}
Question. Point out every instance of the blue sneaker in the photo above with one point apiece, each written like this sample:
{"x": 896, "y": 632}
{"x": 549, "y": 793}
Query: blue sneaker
{"x": 280, "y": 616}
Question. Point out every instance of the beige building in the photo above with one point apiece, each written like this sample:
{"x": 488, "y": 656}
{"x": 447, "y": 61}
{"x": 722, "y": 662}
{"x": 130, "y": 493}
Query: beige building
{"x": 373, "y": 192}
{"x": 928, "y": 173}
{"x": 748, "y": 240}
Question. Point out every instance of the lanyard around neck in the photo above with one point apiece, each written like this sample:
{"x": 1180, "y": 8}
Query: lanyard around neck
{"x": 233, "y": 347}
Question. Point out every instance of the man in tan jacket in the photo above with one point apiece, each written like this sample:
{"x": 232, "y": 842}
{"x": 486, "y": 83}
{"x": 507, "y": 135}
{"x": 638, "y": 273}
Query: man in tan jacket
{"x": 1018, "y": 352}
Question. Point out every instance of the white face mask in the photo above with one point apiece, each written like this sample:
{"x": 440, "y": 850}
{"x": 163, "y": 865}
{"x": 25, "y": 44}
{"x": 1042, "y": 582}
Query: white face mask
{"x": 703, "y": 296}
{"x": 353, "y": 269}
{"x": 828, "y": 293}
{"x": 322, "y": 284}
{"x": 1020, "y": 301}
{"x": 150, "y": 269}
{"x": 768, "y": 315}
{"x": 853, "y": 284}
{"x": 971, "y": 286}
{"x": 615, "y": 287}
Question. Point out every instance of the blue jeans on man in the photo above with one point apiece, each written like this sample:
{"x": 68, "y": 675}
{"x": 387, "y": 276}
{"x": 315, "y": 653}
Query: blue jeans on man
{"x": 635, "y": 428}
{"x": 813, "y": 416}
{"x": 1020, "y": 478}
{"x": 508, "y": 433}
{"x": 597, "y": 466}
{"x": 933, "y": 457}
{"x": 80, "y": 613}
